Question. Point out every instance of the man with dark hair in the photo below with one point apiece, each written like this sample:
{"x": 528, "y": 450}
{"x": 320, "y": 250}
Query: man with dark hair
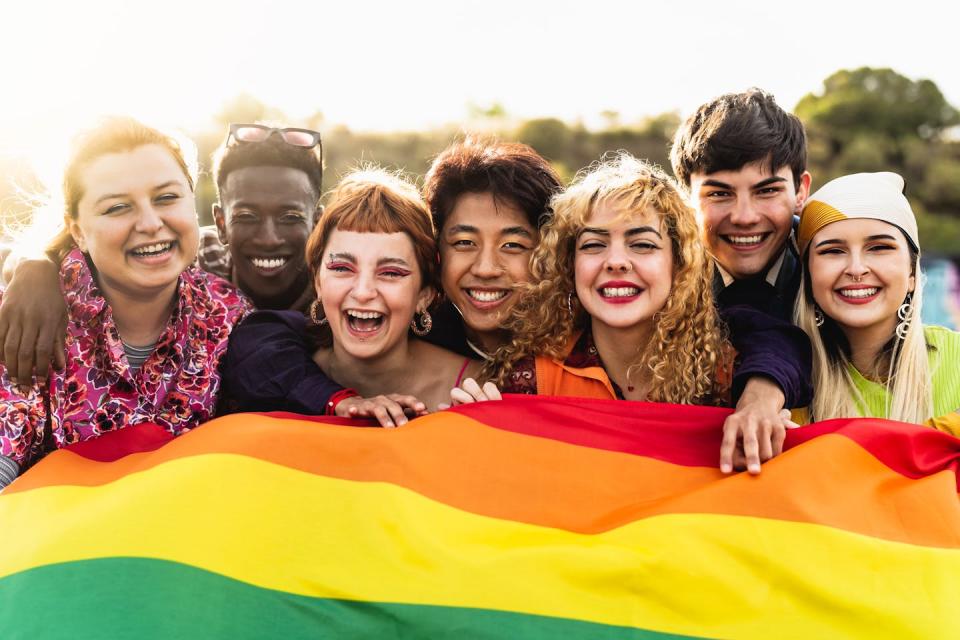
{"x": 268, "y": 182}
{"x": 743, "y": 161}
{"x": 488, "y": 200}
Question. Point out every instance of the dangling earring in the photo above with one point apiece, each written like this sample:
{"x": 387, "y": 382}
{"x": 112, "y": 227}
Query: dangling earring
{"x": 421, "y": 323}
{"x": 316, "y": 313}
{"x": 570, "y": 303}
{"x": 905, "y": 314}
{"x": 817, "y": 315}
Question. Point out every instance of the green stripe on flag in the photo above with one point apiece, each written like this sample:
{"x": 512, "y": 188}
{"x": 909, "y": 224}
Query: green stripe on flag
{"x": 146, "y": 599}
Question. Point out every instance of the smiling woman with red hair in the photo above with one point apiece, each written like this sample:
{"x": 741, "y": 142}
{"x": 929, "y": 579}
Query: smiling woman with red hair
{"x": 373, "y": 257}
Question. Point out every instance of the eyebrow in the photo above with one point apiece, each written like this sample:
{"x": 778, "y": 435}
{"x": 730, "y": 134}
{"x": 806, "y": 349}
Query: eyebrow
{"x": 111, "y": 196}
{"x": 763, "y": 183}
{"x": 462, "y": 228}
{"x": 879, "y": 236}
{"x": 507, "y": 231}
{"x": 285, "y": 206}
{"x": 349, "y": 257}
{"x": 638, "y": 230}
{"x": 516, "y": 231}
{"x": 630, "y": 232}
{"x": 768, "y": 182}
{"x": 397, "y": 261}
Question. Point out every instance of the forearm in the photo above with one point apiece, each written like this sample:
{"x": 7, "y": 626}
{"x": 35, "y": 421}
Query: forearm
{"x": 269, "y": 367}
{"x": 772, "y": 349}
{"x": 763, "y": 392}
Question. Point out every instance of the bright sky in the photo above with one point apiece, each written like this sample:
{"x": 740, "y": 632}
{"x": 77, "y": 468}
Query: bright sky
{"x": 406, "y": 65}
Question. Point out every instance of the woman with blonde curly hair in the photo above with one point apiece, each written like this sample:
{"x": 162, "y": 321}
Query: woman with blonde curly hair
{"x": 621, "y": 305}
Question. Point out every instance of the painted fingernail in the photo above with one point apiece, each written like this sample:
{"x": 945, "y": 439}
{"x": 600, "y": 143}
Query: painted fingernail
{"x": 754, "y": 468}
{"x": 726, "y": 468}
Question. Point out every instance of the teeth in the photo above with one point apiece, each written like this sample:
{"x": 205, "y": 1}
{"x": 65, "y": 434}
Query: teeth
{"x": 486, "y": 296}
{"x": 364, "y": 315}
{"x": 619, "y": 292}
{"x": 151, "y": 249}
{"x": 268, "y": 263}
{"x": 858, "y": 293}
{"x": 746, "y": 239}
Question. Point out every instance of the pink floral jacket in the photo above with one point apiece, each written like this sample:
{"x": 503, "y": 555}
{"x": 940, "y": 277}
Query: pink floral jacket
{"x": 176, "y": 387}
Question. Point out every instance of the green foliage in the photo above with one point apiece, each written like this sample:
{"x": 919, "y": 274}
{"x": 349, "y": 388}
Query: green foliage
{"x": 876, "y": 101}
{"x": 939, "y": 234}
{"x": 878, "y": 120}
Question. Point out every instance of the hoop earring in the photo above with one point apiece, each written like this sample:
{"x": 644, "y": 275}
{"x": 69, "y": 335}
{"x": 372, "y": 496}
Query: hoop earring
{"x": 316, "y": 313}
{"x": 905, "y": 315}
{"x": 421, "y": 323}
{"x": 818, "y": 318}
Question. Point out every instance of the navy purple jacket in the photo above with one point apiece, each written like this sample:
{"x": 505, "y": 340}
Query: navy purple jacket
{"x": 269, "y": 364}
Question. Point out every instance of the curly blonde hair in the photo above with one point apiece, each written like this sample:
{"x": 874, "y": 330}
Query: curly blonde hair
{"x": 688, "y": 348}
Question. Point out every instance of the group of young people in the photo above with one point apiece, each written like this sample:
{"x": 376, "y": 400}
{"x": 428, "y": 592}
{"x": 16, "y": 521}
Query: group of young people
{"x": 730, "y": 285}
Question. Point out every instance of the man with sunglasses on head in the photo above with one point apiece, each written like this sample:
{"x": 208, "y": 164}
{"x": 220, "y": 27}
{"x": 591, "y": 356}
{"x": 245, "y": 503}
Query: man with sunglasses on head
{"x": 269, "y": 184}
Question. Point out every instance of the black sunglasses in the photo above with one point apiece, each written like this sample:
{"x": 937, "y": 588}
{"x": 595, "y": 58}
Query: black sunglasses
{"x": 306, "y": 138}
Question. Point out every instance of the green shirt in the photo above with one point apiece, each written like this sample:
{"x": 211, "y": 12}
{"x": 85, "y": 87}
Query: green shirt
{"x": 944, "y": 361}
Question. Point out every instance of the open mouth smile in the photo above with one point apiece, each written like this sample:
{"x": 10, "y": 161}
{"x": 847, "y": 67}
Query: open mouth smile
{"x": 364, "y": 324}
{"x": 858, "y": 295}
{"x": 155, "y": 252}
{"x": 269, "y": 266}
{"x": 486, "y": 298}
{"x": 744, "y": 242}
{"x": 619, "y": 292}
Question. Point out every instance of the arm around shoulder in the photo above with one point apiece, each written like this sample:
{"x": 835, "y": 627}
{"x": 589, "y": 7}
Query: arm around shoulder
{"x": 771, "y": 348}
{"x": 269, "y": 367}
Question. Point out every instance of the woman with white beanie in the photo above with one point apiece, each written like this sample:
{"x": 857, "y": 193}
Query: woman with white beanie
{"x": 860, "y": 304}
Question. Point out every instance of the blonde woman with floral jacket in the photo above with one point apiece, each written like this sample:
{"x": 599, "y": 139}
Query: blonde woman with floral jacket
{"x": 145, "y": 329}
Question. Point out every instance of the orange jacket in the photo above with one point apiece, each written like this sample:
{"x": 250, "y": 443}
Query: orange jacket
{"x": 554, "y": 378}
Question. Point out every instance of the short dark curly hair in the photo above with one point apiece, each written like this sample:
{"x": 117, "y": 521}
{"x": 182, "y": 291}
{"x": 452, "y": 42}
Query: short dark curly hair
{"x": 735, "y": 130}
{"x": 510, "y": 171}
{"x": 272, "y": 152}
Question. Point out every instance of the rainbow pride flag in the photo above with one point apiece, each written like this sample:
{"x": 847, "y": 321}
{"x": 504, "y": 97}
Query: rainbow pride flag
{"x": 527, "y": 518}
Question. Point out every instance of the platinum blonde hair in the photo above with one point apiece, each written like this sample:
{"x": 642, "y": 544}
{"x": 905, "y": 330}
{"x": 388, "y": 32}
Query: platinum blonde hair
{"x": 907, "y": 376}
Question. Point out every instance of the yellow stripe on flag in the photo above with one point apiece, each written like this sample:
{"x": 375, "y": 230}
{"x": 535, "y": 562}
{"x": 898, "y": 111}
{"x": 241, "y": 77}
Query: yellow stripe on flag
{"x": 372, "y": 541}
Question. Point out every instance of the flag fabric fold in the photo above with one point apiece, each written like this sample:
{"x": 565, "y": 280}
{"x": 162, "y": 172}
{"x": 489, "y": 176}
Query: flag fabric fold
{"x": 526, "y": 518}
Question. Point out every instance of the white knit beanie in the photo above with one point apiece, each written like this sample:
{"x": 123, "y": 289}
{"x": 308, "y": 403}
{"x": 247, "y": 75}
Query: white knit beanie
{"x": 878, "y": 196}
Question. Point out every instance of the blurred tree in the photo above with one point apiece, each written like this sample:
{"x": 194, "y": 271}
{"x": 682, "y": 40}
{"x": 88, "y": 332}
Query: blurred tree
{"x": 549, "y": 136}
{"x": 878, "y": 120}
{"x": 494, "y": 111}
{"x": 247, "y": 108}
{"x": 876, "y": 101}
{"x": 611, "y": 118}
